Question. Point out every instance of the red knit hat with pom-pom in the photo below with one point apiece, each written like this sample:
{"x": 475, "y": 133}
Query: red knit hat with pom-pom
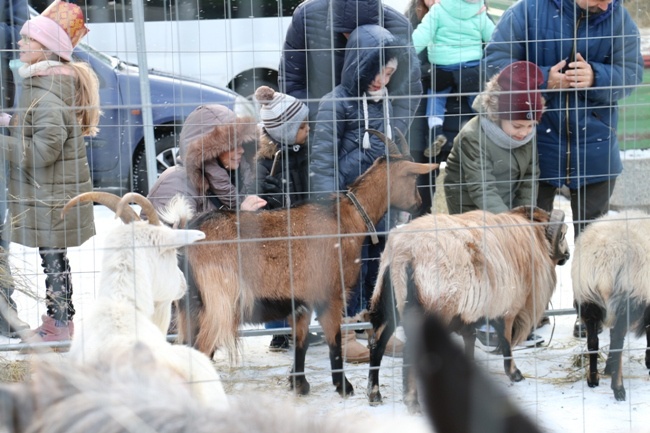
{"x": 521, "y": 99}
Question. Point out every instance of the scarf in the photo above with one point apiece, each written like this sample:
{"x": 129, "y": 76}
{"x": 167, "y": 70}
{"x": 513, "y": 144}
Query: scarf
{"x": 500, "y": 138}
{"x": 39, "y": 68}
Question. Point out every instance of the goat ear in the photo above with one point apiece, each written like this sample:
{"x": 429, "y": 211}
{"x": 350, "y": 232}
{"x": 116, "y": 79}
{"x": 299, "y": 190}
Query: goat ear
{"x": 419, "y": 168}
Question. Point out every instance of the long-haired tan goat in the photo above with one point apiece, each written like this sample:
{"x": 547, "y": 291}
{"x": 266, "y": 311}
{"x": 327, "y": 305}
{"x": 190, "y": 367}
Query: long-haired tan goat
{"x": 611, "y": 285}
{"x": 257, "y": 267}
{"x": 140, "y": 279}
{"x": 464, "y": 269}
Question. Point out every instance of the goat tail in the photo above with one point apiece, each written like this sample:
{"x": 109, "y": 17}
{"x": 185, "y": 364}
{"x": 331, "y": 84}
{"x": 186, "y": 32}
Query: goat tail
{"x": 177, "y": 213}
{"x": 216, "y": 313}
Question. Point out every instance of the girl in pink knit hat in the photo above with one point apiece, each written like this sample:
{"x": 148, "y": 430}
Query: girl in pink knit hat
{"x": 58, "y": 106}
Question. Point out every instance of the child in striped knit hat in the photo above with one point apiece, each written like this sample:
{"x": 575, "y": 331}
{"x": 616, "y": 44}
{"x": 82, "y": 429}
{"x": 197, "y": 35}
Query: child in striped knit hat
{"x": 282, "y": 166}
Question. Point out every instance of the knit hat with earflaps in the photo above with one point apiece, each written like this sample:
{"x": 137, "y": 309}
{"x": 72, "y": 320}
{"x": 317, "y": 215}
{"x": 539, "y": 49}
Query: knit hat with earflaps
{"x": 59, "y": 28}
{"x": 520, "y": 98}
{"x": 281, "y": 114}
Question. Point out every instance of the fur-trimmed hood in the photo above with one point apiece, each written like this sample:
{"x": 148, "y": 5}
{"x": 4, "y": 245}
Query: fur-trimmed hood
{"x": 209, "y": 131}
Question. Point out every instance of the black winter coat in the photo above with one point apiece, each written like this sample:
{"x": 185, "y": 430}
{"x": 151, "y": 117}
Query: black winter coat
{"x": 338, "y": 156}
{"x": 291, "y": 173}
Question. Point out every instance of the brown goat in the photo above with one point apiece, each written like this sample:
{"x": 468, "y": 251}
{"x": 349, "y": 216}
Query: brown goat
{"x": 257, "y": 267}
{"x": 465, "y": 269}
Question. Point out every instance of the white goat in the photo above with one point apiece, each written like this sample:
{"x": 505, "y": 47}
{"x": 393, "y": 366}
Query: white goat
{"x": 140, "y": 279}
{"x": 611, "y": 285}
{"x": 464, "y": 269}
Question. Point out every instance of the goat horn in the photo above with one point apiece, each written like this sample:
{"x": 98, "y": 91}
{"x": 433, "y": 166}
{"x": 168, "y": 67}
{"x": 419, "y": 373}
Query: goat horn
{"x": 554, "y": 231}
{"x": 145, "y": 204}
{"x": 390, "y": 144}
{"x": 111, "y": 201}
{"x": 403, "y": 144}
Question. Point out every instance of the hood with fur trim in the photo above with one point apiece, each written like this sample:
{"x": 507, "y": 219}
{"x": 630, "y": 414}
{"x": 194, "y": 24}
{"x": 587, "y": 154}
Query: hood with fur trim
{"x": 209, "y": 131}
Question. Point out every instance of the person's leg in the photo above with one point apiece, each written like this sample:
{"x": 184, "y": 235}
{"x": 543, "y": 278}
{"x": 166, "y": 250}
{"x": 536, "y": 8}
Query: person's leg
{"x": 546, "y": 196}
{"x": 57, "y": 322}
{"x": 353, "y": 350}
{"x": 279, "y": 342}
{"x": 7, "y": 284}
{"x": 590, "y": 202}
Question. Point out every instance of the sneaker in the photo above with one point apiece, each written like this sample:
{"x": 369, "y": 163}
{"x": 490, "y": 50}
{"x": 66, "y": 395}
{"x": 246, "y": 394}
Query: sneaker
{"x": 487, "y": 335}
{"x": 279, "y": 343}
{"x": 51, "y": 330}
{"x": 580, "y": 330}
{"x": 315, "y": 339}
{"x": 533, "y": 340}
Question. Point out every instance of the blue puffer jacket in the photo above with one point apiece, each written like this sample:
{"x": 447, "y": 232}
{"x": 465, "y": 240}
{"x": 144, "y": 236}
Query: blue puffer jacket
{"x": 312, "y": 56}
{"x": 576, "y": 138}
{"x": 338, "y": 156}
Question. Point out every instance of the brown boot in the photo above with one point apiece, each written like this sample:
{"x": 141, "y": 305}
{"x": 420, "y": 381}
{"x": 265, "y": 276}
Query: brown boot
{"x": 353, "y": 351}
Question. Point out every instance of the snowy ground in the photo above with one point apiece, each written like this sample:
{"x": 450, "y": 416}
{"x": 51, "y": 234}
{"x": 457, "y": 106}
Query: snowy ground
{"x": 554, "y": 392}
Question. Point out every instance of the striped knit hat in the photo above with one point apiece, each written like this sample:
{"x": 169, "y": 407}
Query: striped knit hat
{"x": 281, "y": 114}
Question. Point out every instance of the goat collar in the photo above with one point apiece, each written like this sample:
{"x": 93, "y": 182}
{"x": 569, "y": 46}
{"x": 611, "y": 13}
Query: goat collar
{"x": 369, "y": 225}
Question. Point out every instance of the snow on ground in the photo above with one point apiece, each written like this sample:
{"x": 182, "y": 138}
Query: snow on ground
{"x": 554, "y": 393}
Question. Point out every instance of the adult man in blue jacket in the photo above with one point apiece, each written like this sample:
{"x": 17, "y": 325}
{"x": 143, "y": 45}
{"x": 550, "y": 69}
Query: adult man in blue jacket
{"x": 313, "y": 52}
{"x": 589, "y": 53}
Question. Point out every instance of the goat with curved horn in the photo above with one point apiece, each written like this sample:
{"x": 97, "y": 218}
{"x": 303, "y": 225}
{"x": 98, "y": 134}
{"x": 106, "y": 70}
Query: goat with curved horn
{"x": 145, "y": 204}
{"x": 111, "y": 201}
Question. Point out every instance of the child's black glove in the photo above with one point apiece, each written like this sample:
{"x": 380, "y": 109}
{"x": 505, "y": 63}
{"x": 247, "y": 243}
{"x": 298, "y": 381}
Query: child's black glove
{"x": 271, "y": 185}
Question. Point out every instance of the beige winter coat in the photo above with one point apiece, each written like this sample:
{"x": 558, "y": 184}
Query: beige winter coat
{"x": 48, "y": 166}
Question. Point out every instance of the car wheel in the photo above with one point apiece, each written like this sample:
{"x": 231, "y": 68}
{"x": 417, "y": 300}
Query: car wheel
{"x": 166, "y": 154}
{"x": 247, "y": 83}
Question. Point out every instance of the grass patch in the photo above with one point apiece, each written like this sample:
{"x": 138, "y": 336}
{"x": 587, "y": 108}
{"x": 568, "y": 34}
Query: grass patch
{"x": 634, "y": 118}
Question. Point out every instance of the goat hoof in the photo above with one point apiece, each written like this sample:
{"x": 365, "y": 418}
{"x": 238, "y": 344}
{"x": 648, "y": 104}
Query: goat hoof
{"x": 516, "y": 376}
{"x": 346, "y": 390}
{"x": 374, "y": 398}
{"x": 413, "y": 408}
{"x": 300, "y": 387}
{"x": 593, "y": 382}
{"x": 619, "y": 394}
{"x": 647, "y": 361}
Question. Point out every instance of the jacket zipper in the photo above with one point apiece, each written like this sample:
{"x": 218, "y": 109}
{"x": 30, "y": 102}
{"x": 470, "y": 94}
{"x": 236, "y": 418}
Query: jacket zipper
{"x": 568, "y": 105}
